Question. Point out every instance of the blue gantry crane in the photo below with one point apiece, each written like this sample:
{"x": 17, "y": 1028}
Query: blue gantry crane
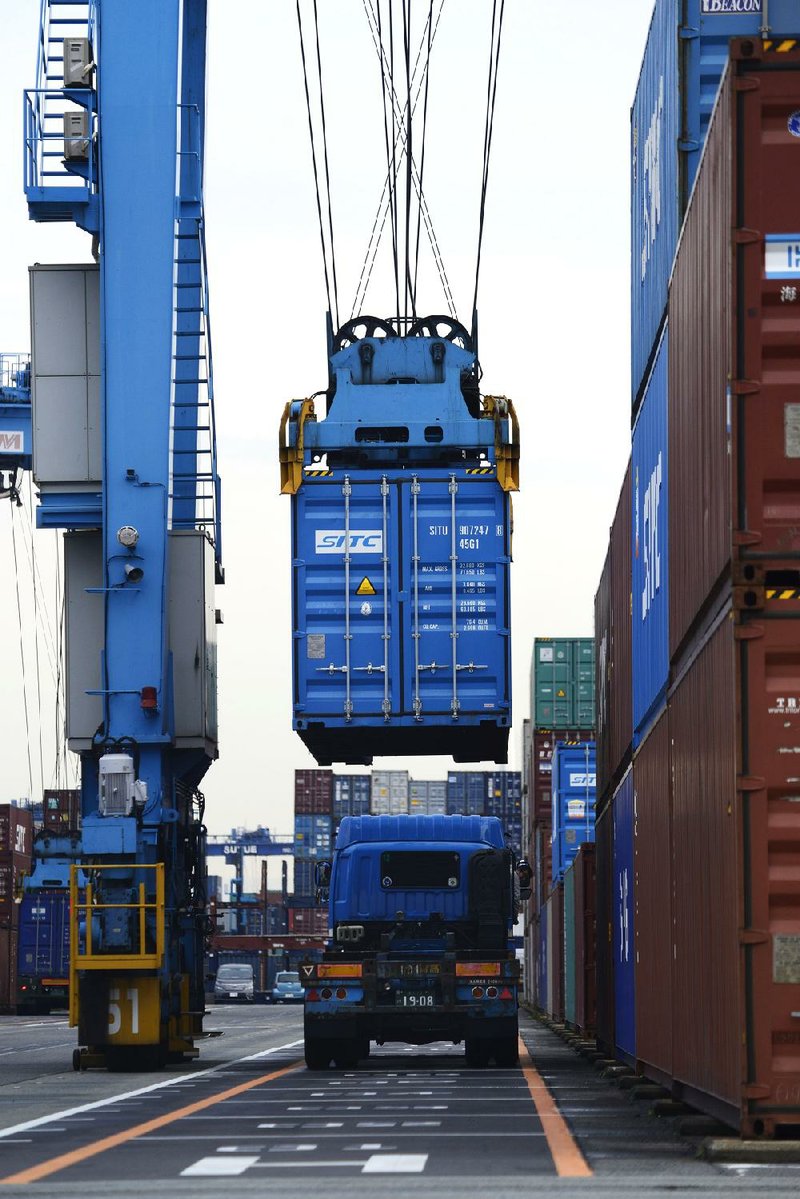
{"x": 124, "y": 458}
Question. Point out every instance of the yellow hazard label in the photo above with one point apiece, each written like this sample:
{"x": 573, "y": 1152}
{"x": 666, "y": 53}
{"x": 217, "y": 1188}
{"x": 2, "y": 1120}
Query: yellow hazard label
{"x": 365, "y": 587}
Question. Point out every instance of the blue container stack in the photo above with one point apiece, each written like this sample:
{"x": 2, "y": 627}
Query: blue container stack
{"x": 351, "y": 796}
{"x": 504, "y": 800}
{"x": 313, "y": 828}
{"x": 574, "y": 794}
{"x": 466, "y": 792}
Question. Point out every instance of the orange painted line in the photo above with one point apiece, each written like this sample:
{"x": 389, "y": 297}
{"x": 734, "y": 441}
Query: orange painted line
{"x": 567, "y": 1157}
{"x": 74, "y": 1156}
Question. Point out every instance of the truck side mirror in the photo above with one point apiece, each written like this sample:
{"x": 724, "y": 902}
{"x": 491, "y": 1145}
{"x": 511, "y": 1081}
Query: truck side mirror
{"x": 322, "y": 879}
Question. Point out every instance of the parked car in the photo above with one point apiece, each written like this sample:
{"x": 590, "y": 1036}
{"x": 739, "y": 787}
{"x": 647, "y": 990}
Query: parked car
{"x": 234, "y": 984}
{"x": 288, "y": 988}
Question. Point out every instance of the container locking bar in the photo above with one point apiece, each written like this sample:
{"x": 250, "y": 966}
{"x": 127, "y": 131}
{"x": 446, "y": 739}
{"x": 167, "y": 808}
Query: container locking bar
{"x": 386, "y": 706}
{"x": 415, "y": 489}
{"x": 453, "y": 488}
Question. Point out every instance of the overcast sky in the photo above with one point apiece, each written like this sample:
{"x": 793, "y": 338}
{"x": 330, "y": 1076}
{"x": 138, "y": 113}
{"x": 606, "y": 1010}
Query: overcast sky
{"x": 554, "y": 315}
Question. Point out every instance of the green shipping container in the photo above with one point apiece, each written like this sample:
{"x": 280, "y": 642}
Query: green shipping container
{"x": 562, "y": 683}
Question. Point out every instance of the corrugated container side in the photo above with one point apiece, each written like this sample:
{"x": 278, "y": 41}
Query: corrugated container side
{"x": 547, "y": 957}
{"x": 623, "y": 907}
{"x": 707, "y": 1022}
{"x": 13, "y": 868}
{"x": 653, "y": 890}
{"x": 604, "y": 848}
{"x": 655, "y": 202}
{"x": 8, "y": 970}
{"x": 313, "y": 792}
{"x": 699, "y": 416}
{"x": 602, "y": 641}
{"x": 585, "y": 940}
{"x": 16, "y": 830}
{"x": 557, "y": 953}
{"x": 310, "y": 921}
{"x": 620, "y": 717}
{"x": 650, "y": 548}
{"x": 304, "y": 876}
{"x": 62, "y": 810}
{"x": 543, "y": 746}
{"x": 570, "y": 950}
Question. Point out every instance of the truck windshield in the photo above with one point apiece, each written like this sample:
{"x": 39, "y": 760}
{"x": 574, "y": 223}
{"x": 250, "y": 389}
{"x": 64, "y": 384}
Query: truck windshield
{"x": 430, "y": 870}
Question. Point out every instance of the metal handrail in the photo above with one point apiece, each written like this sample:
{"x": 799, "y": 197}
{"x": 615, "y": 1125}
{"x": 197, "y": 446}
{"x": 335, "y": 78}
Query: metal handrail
{"x": 35, "y": 137}
{"x": 84, "y": 957}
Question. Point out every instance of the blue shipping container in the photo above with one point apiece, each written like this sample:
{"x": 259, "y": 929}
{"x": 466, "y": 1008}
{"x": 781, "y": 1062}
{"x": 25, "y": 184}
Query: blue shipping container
{"x": 650, "y": 549}
{"x": 376, "y": 667}
{"x": 305, "y": 876}
{"x": 685, "y": 56}
{"x": 574, "y": 791}
{"x": 43, "y": 944}
{"x": 312, "y": 836}
{"x": 623, "y": 928}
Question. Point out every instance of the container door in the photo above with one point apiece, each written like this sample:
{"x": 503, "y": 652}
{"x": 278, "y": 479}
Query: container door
{"x": 456, "y": 541}
{"x": 345, "y": 548}
{"x": 622, "y": 908}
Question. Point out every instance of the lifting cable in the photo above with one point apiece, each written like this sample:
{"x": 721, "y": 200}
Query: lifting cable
{"x": 379, "y": 224}
{"x": 491, "y": 95}
{"x": 22, "y": 653}
{"x": 391, "y": 155}
{"x": 328, "y": 254}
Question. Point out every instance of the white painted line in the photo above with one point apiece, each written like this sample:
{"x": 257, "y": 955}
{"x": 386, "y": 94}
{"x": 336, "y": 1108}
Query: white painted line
{"x": 215, "y": 1167}
{"x": 396, "y": 1163}
{"x": 291, "y": 1148}
{"x": 304, "y": 1165}
{"x": 41, "y": 1121}
{"x": 319, "y": 1124}
{"x": 424, "y": 1124}
{"x": 376, "y": 1123}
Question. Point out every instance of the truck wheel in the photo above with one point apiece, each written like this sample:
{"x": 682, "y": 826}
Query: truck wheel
{"x": 317, "y": 1053}
{"x": 506, "y": 1051}
{"x": 476, "y": 1053}
{"x": 346, "y": 1054}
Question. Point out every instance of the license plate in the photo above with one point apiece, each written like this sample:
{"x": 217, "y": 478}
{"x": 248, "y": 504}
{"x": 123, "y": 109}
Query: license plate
{"x": 414, "y": 999}
{"x": 232, "y": 995}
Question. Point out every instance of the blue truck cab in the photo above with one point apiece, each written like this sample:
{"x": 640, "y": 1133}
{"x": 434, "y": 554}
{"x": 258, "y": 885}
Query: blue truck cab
{"x": 422, "y": 911}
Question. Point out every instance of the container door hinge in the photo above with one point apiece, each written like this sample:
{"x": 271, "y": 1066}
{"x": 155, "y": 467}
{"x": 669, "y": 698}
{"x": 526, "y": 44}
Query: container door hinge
{"x": 745, "y": 387}
{"x": 756, "y": 1090}
{"x": 746, "y": 237}
{"x": 748, "y": 632}
{"x": 745, "y": 537}
{"x": 746, "y": 83}
{"x": 688, "y": 33}
{"x": 746, "y": 782}
{"x": 752, "y": 936}
{"x": 688, "y": 145}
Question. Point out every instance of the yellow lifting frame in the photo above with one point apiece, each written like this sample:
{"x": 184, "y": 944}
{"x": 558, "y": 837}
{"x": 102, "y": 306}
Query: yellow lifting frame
{"x": 291, "y": 456}
{"x": 506, "y": 455}
{"x": 87, "y": 959}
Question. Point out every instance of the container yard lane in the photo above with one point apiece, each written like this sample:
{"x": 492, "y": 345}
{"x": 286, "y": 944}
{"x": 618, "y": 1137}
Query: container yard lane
{"x": 410, "y": 1121}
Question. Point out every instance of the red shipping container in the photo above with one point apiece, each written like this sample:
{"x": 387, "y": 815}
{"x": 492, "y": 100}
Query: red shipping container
{"x": 555, "y": 981}
{"x": 734, "y": 321}
{"x": 585, "y": 940}
{"x": 13, "y": 868}
{"x": 62, "y": 811}
{"x": 612, "y": 621}
{"x": 653, "y": 891}
{"x": 313, "y": 792}
{"x": 16, "y": 829}
{"x": 309, "y": 921}
{"x": 8, "y": 971}
{"x": 736, "y": 875}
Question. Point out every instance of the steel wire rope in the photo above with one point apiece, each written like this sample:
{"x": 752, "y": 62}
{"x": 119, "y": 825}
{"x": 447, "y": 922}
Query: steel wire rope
{"x": 491, "y": 96}
{"x": 426, "y": 77}
{"x": 407, "y": 292}
{"x": 314, "y": 161}
{"x": 325, "y": 159}
{"x": 391, "y": 163}
{"x": 26, "y": 533}
{"x": 370, "y": 257}
{"x": 22, "y": 654}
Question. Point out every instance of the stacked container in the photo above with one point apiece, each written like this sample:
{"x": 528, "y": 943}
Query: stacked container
{"x": 313, "y": 827}
{"x": 562, "y": 690}
{"x": 62, "y": 811}
{"x": 389, "y": 793}
{"x": 697, "y": 841}
{"x": 351, "y": 796}
{"x": 466, "y": 792}
{"x": 574, "y": 790}
{"x": 427, "y": 798}
{"x": 16, "y": 846}
{"x": 504, "y": 800}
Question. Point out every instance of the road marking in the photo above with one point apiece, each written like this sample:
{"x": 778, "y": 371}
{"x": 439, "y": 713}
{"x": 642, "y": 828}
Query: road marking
{"x": 395, "y": 1163}
{"x": 215, "y": 1167}
{"x": 567, "y": 1157}
{"x": 40, "y": 1121}
{"x": 74, "y": 1156}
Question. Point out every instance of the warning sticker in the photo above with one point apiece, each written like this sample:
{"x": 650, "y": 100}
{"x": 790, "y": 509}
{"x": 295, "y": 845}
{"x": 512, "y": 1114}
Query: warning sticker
{"x": 365, "y": 587}
{"x": 785, "y": 959}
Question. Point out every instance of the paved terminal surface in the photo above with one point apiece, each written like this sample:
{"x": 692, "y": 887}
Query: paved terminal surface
{"x": 249, "y": 1118}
